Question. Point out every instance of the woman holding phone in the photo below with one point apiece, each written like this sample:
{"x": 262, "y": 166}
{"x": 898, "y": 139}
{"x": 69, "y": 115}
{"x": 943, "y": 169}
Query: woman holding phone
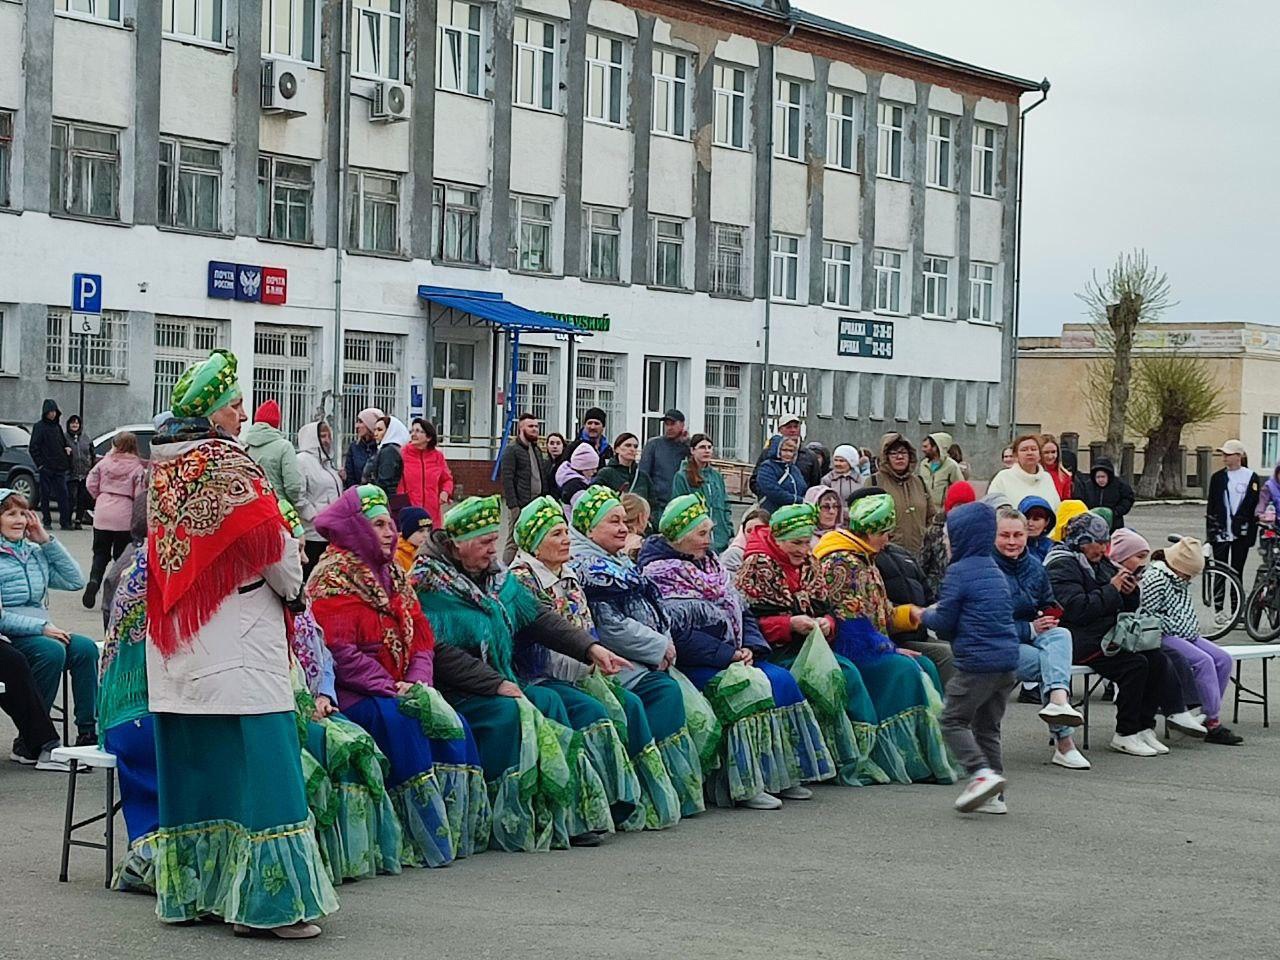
{"x": 1044, "y": 656}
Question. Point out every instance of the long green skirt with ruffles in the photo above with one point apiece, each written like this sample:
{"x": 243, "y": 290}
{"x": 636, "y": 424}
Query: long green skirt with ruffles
{"x": 356, "y": 824}
{"x": 907, "y": 695}
{"x": 235, "y": 838}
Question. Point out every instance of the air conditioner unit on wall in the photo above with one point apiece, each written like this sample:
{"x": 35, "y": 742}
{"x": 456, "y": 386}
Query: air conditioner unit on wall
{"x": 282, "y": 87}
{"x": 390, "y": 102}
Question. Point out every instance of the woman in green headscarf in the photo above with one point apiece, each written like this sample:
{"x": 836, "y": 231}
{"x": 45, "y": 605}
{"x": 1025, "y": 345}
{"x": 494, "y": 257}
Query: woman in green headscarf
{"x": 489, "y": 619}
{"x": 903, "y": 685}
{"x": 629, "y": 620}
{"x": 542, "y": 565}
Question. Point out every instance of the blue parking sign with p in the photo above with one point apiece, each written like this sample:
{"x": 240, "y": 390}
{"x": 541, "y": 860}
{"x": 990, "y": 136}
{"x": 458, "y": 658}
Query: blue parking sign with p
{"x": 86, "y": 293}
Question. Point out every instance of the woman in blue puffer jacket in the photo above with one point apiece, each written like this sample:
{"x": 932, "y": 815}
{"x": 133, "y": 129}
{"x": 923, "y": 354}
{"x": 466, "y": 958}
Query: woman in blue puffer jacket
{"x": 779, "y": 480}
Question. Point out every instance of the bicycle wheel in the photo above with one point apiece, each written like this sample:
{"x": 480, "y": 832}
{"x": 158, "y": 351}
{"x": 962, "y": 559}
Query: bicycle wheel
{"x": 1219, "y": 602}
{"x": 1262, "y": 612}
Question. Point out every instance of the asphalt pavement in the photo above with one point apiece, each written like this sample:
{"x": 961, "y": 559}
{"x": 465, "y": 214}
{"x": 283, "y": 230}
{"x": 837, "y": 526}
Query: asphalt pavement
{"x": 1166, "y": 857}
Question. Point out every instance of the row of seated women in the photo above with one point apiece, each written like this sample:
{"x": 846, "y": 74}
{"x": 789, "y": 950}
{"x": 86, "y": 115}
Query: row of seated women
{"x": 462, "y": 706}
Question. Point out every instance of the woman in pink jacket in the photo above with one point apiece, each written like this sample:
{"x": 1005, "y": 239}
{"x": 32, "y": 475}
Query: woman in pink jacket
{"x": 426, "y": 480}
{"x": 114, "y": 482}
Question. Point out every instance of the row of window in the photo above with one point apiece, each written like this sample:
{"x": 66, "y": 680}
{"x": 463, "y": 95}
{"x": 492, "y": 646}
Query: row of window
{"x": 289, "y": 29}
{"x": 890, "y": 397}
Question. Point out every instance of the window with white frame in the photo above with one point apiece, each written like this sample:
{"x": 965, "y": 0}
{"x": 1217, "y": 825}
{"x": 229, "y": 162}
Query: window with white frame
{"x": 661, "y": 393}
{"x": 784, "y": 264}
{"x": 1271, "y": 438}
{"x": 599, "y": 383}
{"x": 284, "y": 359}
{"x": 535, "y": 63}
{"x": 94, "y": 9}
{"x": 8, "y": 354}
{"x": 180, "y": 342}
{"x": 455, "y": 223}
{"x": 371, "y": 373}
{"x": 671, "y": 93}
{"x": 890, "y": 123}
{"x": 982, "y": 292}
{"x": 729, "y": 261}
{"x": 877, "y": 396}
{"x": 604, "y": 243}
{"x": 6, "y": 155}
{"x": 84, "y": 171}
{"x": 285, "y": 189}
{"x": 837, "y": 270}
{"x": 995, "y": 398}
{"x": 941, "y": 150}
{"x": 668, "y": 253}
{"x": 949, "y": 390}
{"x": 842, "y": 138}
{"x": 788, "y": 119}
{"x": 852, "y": 396}
{"x": 925, "y": 413}
{"x": 377, "y": 38}
{"x": 605, "y": 90}
{"x": 190, "y": 185}
{"x": 198, "y": 19}
{"x": 888, "y": 268}
{"x": 937, "y": 280}
{"x": 901, "y": 398}
{"x": 536, "y": 383}
{"x": 984, "y": 160}
{"x": 375, "y": 211}
{"x": 722, "y": 410}
{"x": 971, "y": 402}
{"x": 291, "y": 29}
{"x": 459, "y": 57}
{"x": 730, "y": 85}
{"x": 531, "y": 229}
{"x": 826, "y": 393}
{"x": 106, "y": 356}
{"x": 452, "y": 389}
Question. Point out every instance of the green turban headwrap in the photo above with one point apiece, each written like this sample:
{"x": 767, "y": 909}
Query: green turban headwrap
{"x": 536, "y": 520}
{"x": 873, "y": 514}
{"x": 373, "y": 501}
{"x": 592, "y": 507}
{"x": 682, "y": 516}
{"x": 207, "y": 386}
{"x": 796, "y": 521}
{"x": 473, "y": 517}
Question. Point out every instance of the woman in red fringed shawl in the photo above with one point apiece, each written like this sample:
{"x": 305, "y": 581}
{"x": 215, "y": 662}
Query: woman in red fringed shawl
{"x": 235, "y": 838}
{"x": 384, "y": 659}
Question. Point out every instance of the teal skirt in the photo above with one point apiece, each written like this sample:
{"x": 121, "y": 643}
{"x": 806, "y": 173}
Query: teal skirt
{"x": 663, "y": 704}
{"x": 906, "y": 694}
{"x": 235, "y": 839}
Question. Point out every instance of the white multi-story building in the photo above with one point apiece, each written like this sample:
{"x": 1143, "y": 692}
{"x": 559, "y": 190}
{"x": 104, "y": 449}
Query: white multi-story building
{"x": 323, "y": 186}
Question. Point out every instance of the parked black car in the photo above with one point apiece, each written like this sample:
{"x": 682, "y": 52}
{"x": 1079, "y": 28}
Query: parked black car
{"x": 17, "y": 469}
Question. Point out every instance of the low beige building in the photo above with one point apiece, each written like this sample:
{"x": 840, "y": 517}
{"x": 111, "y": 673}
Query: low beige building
{"x": 1243, "y": 357}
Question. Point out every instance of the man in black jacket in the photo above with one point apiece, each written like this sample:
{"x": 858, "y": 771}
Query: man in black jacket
{"x": 1229, "y": 512}
{"x": 592, "y": 434}
{"x": 52, "y": 456}
{"x": 522, "y": 470}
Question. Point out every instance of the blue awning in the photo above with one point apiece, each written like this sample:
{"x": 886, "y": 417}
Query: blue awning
{"x": 491, "y": 308}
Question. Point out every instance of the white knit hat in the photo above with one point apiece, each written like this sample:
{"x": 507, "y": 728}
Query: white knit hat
{"x": 849, "y": 453}
{"x": 1185, "y": 557}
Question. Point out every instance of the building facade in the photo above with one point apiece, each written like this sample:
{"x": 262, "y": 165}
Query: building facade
{"x": 1244, "y": 359}
{"x": 280, "y": 177}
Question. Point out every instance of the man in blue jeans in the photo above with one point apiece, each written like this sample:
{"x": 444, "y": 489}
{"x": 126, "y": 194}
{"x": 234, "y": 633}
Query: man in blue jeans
{"x": 51, "y": 454}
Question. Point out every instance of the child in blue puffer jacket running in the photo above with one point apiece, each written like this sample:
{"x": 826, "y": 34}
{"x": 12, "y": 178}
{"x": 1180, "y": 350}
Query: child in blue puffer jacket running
{"x": 975, "y": 612}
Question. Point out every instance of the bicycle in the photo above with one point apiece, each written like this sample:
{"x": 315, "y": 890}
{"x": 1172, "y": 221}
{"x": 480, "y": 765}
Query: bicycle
{"x": 1219, "y": 602}
{"x": 1262, "y": 610}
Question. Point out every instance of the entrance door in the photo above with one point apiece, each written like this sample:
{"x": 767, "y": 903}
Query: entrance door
{"x": 660, "y": 392}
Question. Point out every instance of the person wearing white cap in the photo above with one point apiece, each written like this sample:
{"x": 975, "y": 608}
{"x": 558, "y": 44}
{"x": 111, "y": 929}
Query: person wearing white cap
{"x": 1230, "y": 518}
{"x": 843, "y": 477}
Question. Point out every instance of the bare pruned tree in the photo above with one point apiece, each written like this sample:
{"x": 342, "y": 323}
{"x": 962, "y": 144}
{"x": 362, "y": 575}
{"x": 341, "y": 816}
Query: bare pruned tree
{"x": 1132, "y": 293}
{"x": 1170, "y": 393}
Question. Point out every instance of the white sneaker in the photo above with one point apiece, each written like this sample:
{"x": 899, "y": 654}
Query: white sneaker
{"x": 1184, "y": 722}
{"x": 1133, "y": 745}
{"x": 798, "y": 792}
{"x": 995, "y": 805}
{"x": 1073, "y": 759}
{"x": 982, "y": 786}
{"x": 762, "y": 801}
{"x": 1061, "y": 715}
{"x": 1151, "y": 740}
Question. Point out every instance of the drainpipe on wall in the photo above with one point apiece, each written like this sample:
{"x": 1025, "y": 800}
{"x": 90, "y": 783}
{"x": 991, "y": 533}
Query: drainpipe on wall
{"x": 767, "y": 219}
{"x": 1017, "y": 260}
{"x": 344, "y": 155}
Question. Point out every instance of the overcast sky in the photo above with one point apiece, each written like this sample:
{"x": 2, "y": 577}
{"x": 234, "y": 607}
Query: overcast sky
{"x": 1159, "y": 132}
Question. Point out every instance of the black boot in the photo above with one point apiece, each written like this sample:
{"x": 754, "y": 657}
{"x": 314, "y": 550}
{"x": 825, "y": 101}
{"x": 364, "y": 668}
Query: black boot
{"x": 90, "y": 596}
